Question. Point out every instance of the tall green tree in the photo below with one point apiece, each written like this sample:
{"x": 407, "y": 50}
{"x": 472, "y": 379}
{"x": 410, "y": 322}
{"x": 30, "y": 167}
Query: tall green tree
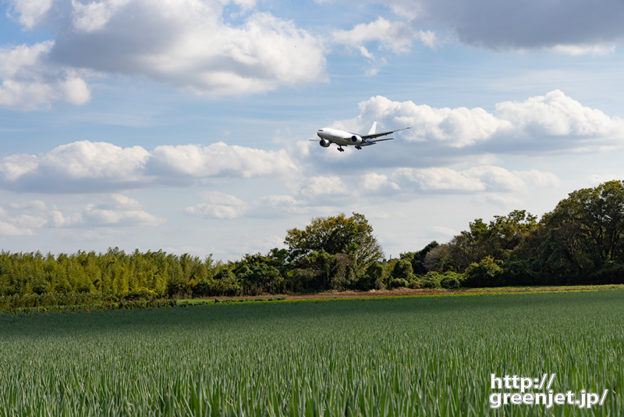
{"x": 417, "y": 259}
{"x": 584, "y": 233}
{"x": 335, "y": 234}
{"x": 497, "y": 239}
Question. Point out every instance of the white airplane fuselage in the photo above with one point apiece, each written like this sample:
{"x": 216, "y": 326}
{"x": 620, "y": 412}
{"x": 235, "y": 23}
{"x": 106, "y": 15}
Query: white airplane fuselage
{"x": 341, "y": 137}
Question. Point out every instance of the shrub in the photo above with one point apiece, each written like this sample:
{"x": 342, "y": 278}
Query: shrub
{"x": 402, "y": 269}
{"x": 226, "y": 283}
{"x": 140, "y": 294}
{"x": 486, "y": 273}
{"x": 373, "y": 277}
{"x": 518, "y": 272}
{"x": 451, "y": 280}
{"x": 398, "y": 282}
{"x": 431, "y": 280}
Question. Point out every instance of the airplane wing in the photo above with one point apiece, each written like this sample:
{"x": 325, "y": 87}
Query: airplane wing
{"x": 369, "y": 142}
{"x": 376, "y": 135}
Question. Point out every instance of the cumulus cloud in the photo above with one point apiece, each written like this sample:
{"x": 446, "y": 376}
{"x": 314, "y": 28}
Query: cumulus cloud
{"x": 312, "y": 193}
{"x": 321, "y": 186}
{"x": 30, "y": 12}
{"x": 556, "y": 114}
{"x": 86, "y": 166}
{"x": 475, "y": 179}
{"x": 394, "y": 36}
{"x": 440, "y": 179}
{"x": 318, "y": 193}
{"x": 219, "y": 159}
{"x": 117, "y": 210}
{"x": 551, "y": 121}
{"x": 373, "y": 181}
{"x": 218, "y": 205}
{"x": 319, "y": 190}
{"x": 279, "y": 205}
{"x": 8, "y": 229}
{"x": 190, "y": 46}
{"x": 75, "y": 167}
{"x": 30, "y": 81}
{"x": 384, "y": 35}
{"x": 528, "y": 24}
{"x": 26, "y": 217}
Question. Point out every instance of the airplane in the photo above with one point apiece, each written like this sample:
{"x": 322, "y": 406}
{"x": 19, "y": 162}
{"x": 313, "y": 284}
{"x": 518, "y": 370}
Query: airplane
{"x": 342, "y": 138}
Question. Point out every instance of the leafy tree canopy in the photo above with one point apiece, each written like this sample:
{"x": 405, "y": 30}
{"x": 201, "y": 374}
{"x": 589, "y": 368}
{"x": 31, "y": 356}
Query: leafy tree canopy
{"x": 335, "y": 234}
{"x": 586, "y": 230}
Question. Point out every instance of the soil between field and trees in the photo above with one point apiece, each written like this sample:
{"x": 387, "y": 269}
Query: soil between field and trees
{"x": 409, "y": 292}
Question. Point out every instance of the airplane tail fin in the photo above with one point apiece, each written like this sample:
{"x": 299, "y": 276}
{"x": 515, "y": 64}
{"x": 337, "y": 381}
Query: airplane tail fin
{"x": 373, "y": 129}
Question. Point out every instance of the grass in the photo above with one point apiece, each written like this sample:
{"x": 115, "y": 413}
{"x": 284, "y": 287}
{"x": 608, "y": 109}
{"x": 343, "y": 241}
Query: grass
{"x": 423, "y": 356}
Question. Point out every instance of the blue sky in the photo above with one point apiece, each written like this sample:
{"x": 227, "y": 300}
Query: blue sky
{"x": 183, "y": 125}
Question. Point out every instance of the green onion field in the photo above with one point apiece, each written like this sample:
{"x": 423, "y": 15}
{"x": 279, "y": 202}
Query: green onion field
{"x": 421, "y": 356}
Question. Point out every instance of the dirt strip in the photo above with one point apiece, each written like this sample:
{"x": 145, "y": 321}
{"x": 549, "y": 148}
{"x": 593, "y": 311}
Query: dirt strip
{"x": 402, "y": 292}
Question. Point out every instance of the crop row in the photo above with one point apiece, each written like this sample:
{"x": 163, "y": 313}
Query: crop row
{"x": 404, "y": 357}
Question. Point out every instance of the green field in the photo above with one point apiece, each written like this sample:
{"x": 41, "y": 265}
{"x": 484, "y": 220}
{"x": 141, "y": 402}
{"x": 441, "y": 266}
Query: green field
{"x": 402, "y": 357}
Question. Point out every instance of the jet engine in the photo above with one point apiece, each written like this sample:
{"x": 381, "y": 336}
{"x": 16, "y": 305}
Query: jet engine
{"x": 356, "y": 139}
{"x": 324, "y": 143}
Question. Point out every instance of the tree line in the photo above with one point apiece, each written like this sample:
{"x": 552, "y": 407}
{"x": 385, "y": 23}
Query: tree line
{"x": 579, "y": 242}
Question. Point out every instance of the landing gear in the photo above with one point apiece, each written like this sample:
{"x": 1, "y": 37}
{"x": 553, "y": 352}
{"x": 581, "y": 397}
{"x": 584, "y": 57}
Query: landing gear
{"x": 340, "y": 149}
{"x": 358, "y": 147}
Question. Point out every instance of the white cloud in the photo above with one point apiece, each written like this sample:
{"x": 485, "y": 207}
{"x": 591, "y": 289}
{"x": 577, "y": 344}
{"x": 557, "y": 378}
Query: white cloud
{"x": 219, "y": 205}
{"x": 440, "y": 179}
{"x": 13, "y": 167}
{"x": 456, "y": 127}
{"x": 318, "y": 194}
{"x": 279, "y": 205}
{"x": 8, "y": 229}
{"x": 99, "y": 166}
{"x": 94, "y": 160}
{"x": 394, "y": 36}
{"x": 95, "y": 15}
{"x": 117, "y": 210}
{"x": 553, "y": 120}
{"x": 26, "y": 217}
{"x": 30, "y": 81}
{"x": 311, "y": 194}
{"x": 21, "y": 218}
{"x": 190, "y": 47}
{"x": 30, "y": 12}
{"x": 322, "y": 186}
{"x": 384, "y": 35}
{"x": 582, "y": 49}
{"x": 538, "y": 178}
{"x": 556, "y": 114}
{"x": 475, "y": 179}
{"x": 220, "y": 159}
{"x": 75, "y": 167}
{"x": 373, "y": 181}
